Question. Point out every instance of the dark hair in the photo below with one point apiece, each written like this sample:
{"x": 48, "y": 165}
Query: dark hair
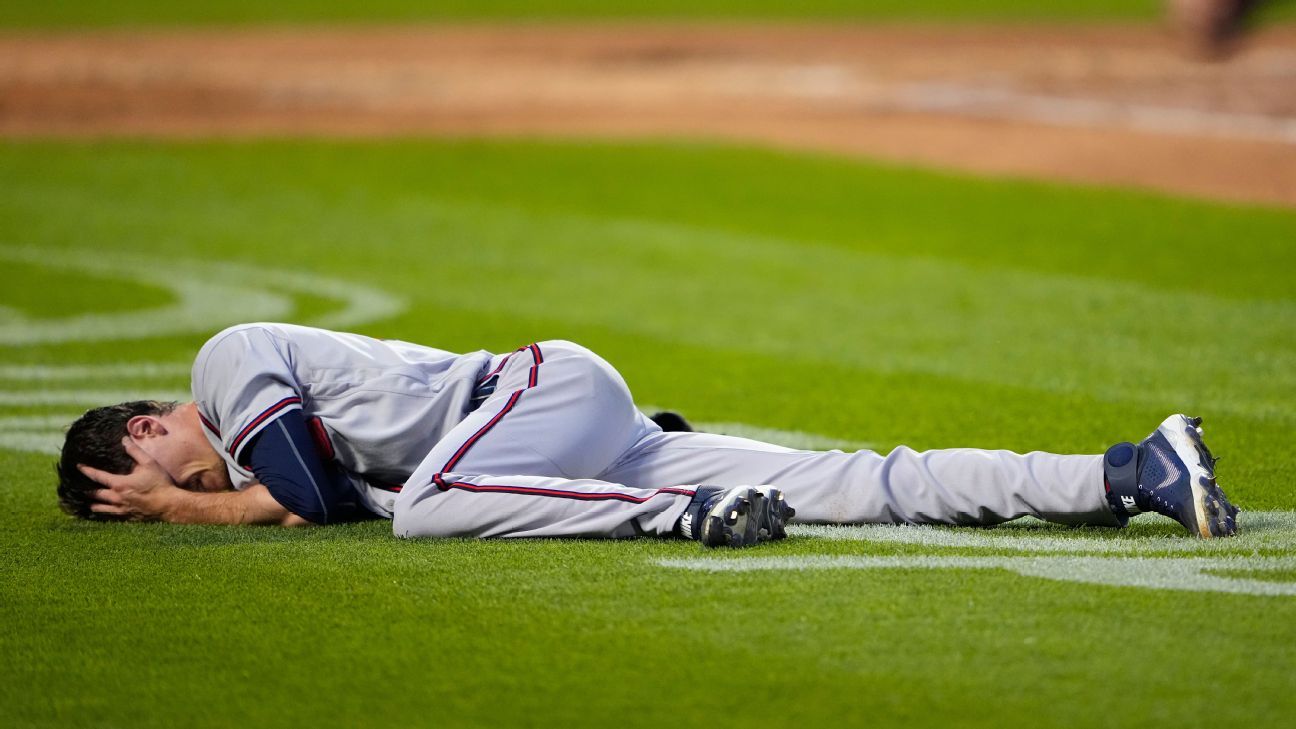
{"x": 94, "y": 440}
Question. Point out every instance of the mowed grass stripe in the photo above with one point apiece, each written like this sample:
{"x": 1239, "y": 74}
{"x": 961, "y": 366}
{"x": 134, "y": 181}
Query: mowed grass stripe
{"x": 756, "y": 258}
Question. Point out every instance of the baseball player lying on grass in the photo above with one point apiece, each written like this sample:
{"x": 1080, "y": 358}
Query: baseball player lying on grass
{"x": 294, "y": 425}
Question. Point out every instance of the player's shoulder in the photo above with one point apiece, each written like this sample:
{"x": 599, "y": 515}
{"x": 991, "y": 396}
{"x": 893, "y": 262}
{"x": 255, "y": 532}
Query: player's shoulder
{"x": 241, "y": 335}
{"x": 236, "y": 342}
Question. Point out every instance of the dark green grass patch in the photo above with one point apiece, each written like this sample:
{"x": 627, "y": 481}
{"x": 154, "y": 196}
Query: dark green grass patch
{"x": 858, "y": 301}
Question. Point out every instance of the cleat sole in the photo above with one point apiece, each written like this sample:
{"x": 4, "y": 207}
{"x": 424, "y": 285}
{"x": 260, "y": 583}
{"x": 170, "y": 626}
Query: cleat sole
{"x": 747, "y": 517}
{"x": 1214, "y": 515}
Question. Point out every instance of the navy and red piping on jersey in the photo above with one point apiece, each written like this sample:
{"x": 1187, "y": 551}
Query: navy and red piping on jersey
{"x": 321, "y": 438}
{"x": 499, "y": 366}
{"x": 535, "y": 368}
{"x": 378, "y": 483}
{"x": 537, "y": 358}
{"x": 262, "y": 418}
{"x": 444, "y": 485}
{"x": 208, "y": 424}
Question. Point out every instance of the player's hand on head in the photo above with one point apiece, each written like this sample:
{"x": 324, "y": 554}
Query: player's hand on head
{"x": 142, "y": 495}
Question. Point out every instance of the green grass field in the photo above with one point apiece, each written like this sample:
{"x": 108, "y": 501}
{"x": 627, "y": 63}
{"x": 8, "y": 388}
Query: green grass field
{"x": 839, "y": 301}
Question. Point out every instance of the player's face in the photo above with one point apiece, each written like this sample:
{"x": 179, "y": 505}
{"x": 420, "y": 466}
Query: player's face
{"x": 180, "y": 448}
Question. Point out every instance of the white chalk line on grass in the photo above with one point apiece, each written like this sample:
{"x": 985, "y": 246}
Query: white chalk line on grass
{"x": 36, "y": 398}
{"x": 44, "y": 433}
{"x": 1192, "y": 574}
{"x": 1258, "y": 529}
{"x": 208, "y": 296}
{"x": 14, "y": 423}
{"x": 82, "y": 372}
{"x": 1138, "y": 563}
{"x": 1001, "y": 103}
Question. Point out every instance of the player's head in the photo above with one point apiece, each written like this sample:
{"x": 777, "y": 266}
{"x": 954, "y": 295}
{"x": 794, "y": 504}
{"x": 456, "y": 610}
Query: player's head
{"x": 167, "y": 431}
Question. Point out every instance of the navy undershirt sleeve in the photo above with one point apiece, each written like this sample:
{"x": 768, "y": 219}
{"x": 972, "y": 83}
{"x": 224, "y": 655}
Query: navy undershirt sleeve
{"x": 285, "y": 459}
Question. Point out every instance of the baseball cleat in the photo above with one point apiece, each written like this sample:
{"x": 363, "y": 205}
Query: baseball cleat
{"x": 774, "y": 523}
{"x": 736, "y": 517}
{"x": 1171, "y": 472}
{"x": 671, "y": 422}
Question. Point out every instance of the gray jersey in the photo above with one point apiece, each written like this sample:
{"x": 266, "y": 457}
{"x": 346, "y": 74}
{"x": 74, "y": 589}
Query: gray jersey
{"x": 376, "y": 407}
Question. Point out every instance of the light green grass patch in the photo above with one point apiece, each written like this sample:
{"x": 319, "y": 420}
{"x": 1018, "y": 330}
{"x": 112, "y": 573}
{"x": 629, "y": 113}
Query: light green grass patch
{"x": 851, "y": 301}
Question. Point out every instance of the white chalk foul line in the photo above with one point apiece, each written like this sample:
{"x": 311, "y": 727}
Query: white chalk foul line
{"x": 1257, "y": 530}
{"x": 1142, "y": 560}
{"x": 1192, "y": 574}
{"x": 1001, "y": 103}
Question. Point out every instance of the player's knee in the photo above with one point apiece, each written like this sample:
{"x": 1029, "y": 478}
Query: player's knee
{"x": 412, "y": 526}
{"x": 423, "y": 520}
{"x": 582, "y": 363}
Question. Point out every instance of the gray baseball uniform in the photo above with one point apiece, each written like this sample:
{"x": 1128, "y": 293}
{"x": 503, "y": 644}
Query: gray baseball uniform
{"x": 547, "y": 441}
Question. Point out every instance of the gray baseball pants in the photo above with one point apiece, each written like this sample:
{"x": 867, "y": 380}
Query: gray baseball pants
{"x": 560, "y": 450}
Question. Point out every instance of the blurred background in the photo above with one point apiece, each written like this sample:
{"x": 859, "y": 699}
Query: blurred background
{"x": 1187, "y": 96}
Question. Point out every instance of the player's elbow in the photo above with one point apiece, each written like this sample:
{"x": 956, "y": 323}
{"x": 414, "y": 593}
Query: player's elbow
{"x": 292, "y": 520}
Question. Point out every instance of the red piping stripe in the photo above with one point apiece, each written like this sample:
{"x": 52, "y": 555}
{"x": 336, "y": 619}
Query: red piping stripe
{"x": 532, "y": 380}
{"x": 555, "y": 493}
{"x": 394, "y": 488}
{"x": 321, "y": 438}
{"x": 238, "y": 440}
{"x": 500, "y": 366}
{"x": 535, "y": 371}
{"x": 463, "y": 449}
{"x": 209, "y": 425}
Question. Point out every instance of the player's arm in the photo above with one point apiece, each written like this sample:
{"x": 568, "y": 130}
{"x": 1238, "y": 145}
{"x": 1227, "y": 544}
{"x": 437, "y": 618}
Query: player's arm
{"x": 252, "y": 505}
{"x": 285, "y": 458}
{"x": 147, "y": 493}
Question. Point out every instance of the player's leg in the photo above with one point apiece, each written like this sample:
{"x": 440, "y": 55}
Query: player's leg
{"x": 952, "y": 486}
{"x": 1170, "y": 472}
{"x": 524, "y": 464}
{"x": 536, "y": 506}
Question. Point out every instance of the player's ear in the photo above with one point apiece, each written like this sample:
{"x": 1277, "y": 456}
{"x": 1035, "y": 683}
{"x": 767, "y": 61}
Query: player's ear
{"x": 145, "y": 426}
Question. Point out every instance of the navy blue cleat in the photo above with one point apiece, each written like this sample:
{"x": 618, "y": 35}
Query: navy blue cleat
{"x": 1171, "y": 472}
{"x": 736, "y": 517}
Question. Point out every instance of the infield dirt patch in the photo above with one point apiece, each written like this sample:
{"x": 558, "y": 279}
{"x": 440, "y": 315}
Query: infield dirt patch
{"x": 1108, "y": 105}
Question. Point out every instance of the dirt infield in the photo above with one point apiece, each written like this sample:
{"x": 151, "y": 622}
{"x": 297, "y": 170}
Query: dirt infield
{"x": 1094, "y": 104}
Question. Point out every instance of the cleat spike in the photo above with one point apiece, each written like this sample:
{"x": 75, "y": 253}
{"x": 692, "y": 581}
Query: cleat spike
{"x": 739, "y": 517}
